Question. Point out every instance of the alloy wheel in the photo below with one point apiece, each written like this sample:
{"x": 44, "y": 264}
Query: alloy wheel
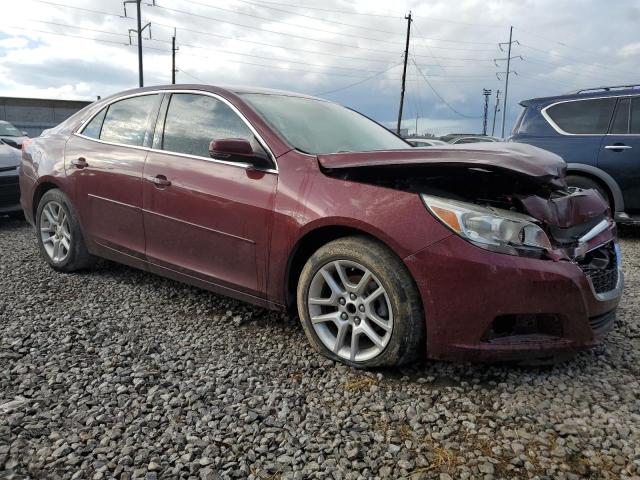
{"x": 55, "y": 232}
{"x": 350, "y": 310}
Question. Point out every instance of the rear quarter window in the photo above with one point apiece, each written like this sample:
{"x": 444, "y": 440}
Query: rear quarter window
{"x": 583, "y": 117}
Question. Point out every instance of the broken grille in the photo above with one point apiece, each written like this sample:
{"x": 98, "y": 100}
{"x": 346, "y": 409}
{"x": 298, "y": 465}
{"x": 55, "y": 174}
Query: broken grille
{"x": 601, "y": 266}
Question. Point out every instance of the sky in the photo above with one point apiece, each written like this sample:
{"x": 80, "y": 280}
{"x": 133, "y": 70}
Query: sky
{"x": 347, "y": 51}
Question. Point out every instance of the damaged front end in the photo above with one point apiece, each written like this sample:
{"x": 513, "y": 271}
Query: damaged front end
{"x": 508, "y": 198}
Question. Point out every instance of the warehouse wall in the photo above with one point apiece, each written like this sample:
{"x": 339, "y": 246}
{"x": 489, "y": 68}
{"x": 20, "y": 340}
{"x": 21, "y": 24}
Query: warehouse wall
{"x": 34, "y": 115}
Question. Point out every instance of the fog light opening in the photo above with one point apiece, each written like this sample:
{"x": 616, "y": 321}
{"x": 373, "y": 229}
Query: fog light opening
{"x": 524, "y": 327}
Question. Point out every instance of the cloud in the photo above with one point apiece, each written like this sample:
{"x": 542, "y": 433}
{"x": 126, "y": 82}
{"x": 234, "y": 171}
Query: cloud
{"x": 334, "y": 46}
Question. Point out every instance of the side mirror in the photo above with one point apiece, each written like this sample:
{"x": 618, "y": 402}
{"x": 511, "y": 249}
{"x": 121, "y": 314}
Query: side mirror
{"x": 25, "y": 133}
{"x": 236, "y": 150}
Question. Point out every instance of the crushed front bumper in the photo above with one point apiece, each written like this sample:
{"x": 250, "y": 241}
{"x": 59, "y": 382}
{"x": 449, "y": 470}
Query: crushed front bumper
{"x": 487, "y": 306}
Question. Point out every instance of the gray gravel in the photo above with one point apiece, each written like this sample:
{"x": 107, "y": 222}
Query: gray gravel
{"x": 119, "y": 373}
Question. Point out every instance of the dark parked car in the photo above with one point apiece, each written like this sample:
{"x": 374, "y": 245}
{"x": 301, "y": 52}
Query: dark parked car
{"x": 597, "y": 132}
{"x": 461, "y": 138}
{"x": 9, "y": 185}
{"x": 11, "y": 136}
{"x": 386, "y": 251}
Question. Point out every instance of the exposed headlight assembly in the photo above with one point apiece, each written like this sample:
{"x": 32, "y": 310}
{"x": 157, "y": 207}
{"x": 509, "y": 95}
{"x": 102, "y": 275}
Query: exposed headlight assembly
{"x": 494, "y": 229}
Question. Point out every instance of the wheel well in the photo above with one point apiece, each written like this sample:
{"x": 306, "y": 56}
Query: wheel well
{"x": 37, "y": 195}
{"x": 600, "y": 182}
{"x": 303, "y": 250}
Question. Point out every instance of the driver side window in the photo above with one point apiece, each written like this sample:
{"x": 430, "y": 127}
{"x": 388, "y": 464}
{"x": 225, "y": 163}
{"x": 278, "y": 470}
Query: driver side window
{"x": 193, "y": 120}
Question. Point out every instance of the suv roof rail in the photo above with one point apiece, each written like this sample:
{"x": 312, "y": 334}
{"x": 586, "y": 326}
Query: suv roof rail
{"x": 607, "y": 89}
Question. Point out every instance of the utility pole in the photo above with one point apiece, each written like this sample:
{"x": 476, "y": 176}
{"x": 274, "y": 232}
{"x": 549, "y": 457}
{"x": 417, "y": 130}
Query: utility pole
{"x": 506, "y": 80}
{"x": 139, "y": 31}
{"x": 404, "y": 71}
{"x": 496, "y": 109}
{"x": 173, "y": 58}
{"x": 487, "y": 94}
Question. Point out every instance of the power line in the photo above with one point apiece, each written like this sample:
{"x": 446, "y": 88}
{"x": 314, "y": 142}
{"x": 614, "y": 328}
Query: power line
{"x": 460, "y": 22}
{"x": 359, "y": 82}
{"x": 306, "y": 27}
{"x": 29, "y": 30}
{"x": 307, "y": 7}
{"x": 440, "y": 96}
{"x": 327, "y": 42}
{"x": 277, "y": 67}
{"x": 371, "y": 29}
{"x": 276, "y": 59}
{"x": 191, "y": 75}
{"x": 79, "y": 28}
{"x": 287, "y": 48}
{"x": 590, "y": 52}
{"x": 100, "y": 12}
{"x": 288, "y": 35}
{"x": 591, "y": 64}
{"x": 364, "y": 27}
{"x": 568, "y": 68}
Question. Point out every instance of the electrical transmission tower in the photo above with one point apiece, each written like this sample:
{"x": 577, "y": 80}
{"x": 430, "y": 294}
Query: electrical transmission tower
{"x": 139, "y": 31}
{"x": 507, "y": 73}
{"x": 174, "y": 49}
{"x": 404, "y": 71}
{"x": 486, "y": 93}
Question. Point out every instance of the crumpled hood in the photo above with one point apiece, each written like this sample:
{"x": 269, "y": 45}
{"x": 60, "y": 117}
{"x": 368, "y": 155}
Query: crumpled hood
{"x": 9, "y": 157}
{"x": 538, "y": 164}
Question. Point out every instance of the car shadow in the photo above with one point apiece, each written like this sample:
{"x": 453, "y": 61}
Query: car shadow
{"x": 629, "y": 231}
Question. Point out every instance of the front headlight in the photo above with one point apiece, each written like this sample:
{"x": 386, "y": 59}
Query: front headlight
{"x": 495, "y": 229}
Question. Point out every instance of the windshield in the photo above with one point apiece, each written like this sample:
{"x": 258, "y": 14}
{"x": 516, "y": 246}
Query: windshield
{"x": 317, "y": 127}
{"x": 9, "y": 130}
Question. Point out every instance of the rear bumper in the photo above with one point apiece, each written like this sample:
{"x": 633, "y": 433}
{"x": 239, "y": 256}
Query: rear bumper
{"x": 466, "y": 290}
{"x": 9, "y": 192}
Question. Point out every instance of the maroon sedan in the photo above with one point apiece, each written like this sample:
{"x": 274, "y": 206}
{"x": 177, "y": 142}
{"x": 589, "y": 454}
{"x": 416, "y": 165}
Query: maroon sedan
{"x": 386, "y": 252}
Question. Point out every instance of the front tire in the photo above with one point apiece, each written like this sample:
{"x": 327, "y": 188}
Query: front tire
{"x": 59, "y": 236}
{"x": 359, "y": 305}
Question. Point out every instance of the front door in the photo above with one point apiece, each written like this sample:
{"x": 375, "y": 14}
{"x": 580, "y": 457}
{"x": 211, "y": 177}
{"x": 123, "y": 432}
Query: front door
{"x": 107, "y": 160}
{"x": 206, "y": 219}
{"x": 620, "y": 151}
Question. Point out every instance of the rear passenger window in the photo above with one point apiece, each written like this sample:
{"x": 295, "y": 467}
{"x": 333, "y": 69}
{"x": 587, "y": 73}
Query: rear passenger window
{"x": 620, "y": 123}
{"x": 583, "y": 116}
{"x": 95, "y": 125}
{"x": 194, "y": 120}
{"x": 635, "y": 116}
{"x": 126, "y": 120}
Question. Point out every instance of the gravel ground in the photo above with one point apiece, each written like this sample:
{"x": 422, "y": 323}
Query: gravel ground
{"x": 119, "y": 373}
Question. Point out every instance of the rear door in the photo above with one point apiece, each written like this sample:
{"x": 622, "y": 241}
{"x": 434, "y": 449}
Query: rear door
{"x": 106, "y": 159}
{"x": 204, "y": 218}
{"x": 619, "y": 154}
{"x": 582, "y": 124}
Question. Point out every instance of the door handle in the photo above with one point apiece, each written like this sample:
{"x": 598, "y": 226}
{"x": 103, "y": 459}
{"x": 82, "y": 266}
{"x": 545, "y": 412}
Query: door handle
{"x": 160, "y": 181}
{"x": 80, "y": 163}
{"x": 618, "y": 147}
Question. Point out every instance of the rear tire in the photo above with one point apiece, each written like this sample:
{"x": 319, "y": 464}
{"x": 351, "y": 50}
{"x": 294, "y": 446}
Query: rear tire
{"x": 59, "y": 236}
{"x": 382, "y": 312}
{"x": 586, "y": 183}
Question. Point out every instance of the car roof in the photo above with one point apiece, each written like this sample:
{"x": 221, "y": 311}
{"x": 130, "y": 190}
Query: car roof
{"x": 220, "y": 89}
{"x": 583, "y": 94}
